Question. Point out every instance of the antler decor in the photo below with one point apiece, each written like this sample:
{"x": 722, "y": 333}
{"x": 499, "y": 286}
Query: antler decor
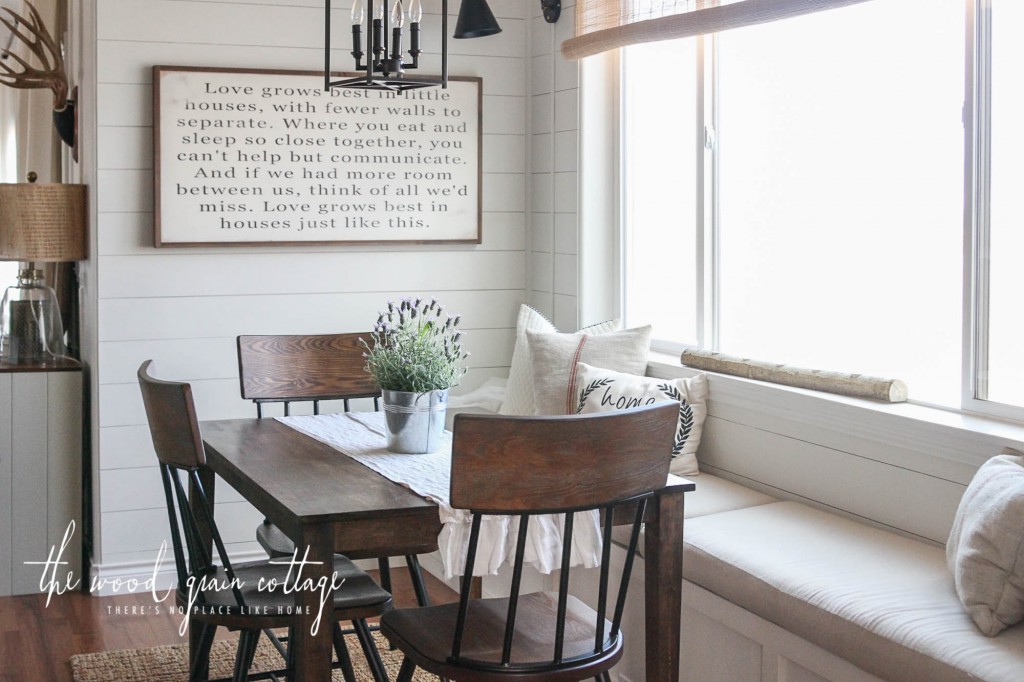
{"x": 20, "y": 73}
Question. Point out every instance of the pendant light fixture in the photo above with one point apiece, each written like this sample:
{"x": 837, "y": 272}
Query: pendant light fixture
{"x": 378, "y": 37}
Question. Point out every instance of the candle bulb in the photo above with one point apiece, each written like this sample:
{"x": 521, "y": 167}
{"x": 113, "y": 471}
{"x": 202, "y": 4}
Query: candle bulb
{"x": 416, "y": 11}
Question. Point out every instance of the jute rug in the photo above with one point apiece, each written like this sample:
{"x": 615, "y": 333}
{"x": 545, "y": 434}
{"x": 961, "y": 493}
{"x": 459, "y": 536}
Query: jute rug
{"x": 169, "y": 663}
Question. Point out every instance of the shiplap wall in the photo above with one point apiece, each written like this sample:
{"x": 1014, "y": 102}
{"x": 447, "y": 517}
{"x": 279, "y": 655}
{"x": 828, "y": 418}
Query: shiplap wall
{"x": 184, "y": 307}
{"x": 40, "y": 493}
{"x": 554, "y": 131}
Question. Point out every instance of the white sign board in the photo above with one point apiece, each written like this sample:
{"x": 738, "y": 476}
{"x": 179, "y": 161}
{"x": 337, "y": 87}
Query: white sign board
{"x": 248, "y": 156}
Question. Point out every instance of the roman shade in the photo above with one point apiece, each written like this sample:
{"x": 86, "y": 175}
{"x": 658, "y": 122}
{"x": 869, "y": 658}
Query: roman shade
{"x": 603, "y": 25}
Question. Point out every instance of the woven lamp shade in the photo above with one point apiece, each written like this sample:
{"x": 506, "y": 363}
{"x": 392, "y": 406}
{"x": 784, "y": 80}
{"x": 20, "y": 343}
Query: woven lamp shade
{"x": 42, "y": 222}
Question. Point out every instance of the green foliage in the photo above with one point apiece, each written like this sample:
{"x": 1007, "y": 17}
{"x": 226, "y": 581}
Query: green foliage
{"x": 415, "y": 346}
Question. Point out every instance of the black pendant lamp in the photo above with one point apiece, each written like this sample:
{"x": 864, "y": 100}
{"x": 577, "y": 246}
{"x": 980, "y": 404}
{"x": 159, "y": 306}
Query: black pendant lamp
{"x": 476, "y": 20}
{"x": 377, "y": 35}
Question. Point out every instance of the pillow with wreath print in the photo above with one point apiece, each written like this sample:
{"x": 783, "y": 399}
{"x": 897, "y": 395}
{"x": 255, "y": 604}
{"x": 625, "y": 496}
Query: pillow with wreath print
{"x": 600, "y": 390}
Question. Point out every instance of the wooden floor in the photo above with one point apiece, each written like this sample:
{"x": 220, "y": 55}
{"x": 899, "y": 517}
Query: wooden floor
{"x": 36, "y": 640}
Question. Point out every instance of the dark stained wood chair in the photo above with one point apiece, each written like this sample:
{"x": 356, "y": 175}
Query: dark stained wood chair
{"x": 227, "y": 595}
{"x": 524, "y": 466}
{"x": 313, "y": 368}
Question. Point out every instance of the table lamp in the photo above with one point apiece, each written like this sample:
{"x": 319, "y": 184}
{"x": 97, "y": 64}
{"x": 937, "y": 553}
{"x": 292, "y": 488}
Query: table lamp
{"x": 38, "y": 223}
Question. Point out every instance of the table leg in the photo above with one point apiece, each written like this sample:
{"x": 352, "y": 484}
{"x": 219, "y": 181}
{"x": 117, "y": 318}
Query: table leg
{"x": 313, "y": 652}
{"x": 663, "y": 572}
{"x": 209, "y": 482}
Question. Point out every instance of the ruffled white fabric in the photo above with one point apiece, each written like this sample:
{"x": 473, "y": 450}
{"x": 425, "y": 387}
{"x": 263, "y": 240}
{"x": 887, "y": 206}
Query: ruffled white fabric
{"x": 361, "y": 436}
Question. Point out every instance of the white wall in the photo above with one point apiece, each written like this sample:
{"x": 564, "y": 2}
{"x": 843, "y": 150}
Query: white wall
{"x": 554, "y": 131}
{"x": 183, "y": 307}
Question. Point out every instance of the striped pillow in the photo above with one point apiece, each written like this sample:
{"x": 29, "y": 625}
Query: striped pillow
{"x": 553, "y": 358}
{"x": 519, "y": 391}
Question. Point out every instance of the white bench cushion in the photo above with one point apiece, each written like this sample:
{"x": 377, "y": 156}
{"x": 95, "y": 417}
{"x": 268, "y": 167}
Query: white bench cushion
{"x": 711, "y": 496}
{"x": 882, "y": 601}
{"x": 714, "y": 495}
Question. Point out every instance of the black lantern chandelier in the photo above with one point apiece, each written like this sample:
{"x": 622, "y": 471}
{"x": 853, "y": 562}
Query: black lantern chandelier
{"x": 385, "y": 62}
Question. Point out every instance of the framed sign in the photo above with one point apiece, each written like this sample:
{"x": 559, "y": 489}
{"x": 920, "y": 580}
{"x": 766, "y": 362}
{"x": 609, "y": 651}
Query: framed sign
{"x": 245, "y": 156}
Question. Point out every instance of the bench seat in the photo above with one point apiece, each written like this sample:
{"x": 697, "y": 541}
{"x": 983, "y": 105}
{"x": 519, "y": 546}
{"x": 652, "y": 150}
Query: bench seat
{"x": 882, "y": 601}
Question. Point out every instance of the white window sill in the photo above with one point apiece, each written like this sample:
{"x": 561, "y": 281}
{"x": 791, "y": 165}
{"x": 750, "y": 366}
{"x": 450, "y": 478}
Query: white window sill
{"x": 907, "y": 433}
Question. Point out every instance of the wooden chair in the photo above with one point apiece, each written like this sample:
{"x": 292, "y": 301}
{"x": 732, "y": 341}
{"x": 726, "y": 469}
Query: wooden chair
{"x": 525, "y": 466}
{"x": 303, "y": 368}
{"x": 233, "y": 597}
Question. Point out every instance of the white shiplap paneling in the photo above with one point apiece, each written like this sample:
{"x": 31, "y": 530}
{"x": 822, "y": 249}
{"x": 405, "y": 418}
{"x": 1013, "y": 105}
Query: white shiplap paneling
{"x": 183, "y": 307}
{"x": 553, "y": 164}
{"x": 174, "y": 317}
{"x": 6, "y": 480}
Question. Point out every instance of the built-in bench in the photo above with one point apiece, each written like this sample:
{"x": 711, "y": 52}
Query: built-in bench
{"x": 880, "y": 601}
{"x": 789, "y": 583}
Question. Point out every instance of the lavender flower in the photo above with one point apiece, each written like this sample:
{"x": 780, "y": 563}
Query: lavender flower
{"x": 411, "y": 351}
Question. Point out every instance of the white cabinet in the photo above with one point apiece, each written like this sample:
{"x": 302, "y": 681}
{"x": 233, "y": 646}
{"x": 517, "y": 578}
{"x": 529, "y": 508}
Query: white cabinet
{"x": 41, "y": 475}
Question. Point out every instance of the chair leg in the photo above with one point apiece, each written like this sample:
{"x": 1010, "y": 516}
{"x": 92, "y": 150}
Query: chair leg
{"x": 247, "y": 641}
{"x": 289, "y": 660}
{"x": 370, "y": 650}
{"x": 341, "y": 651}
{"x": 406, "y": 672}
{"x": 199, "y": 667}
{"x": 384, "y": 568}
{"x": 422, "y": 596}
{"x": 279, "y": 644}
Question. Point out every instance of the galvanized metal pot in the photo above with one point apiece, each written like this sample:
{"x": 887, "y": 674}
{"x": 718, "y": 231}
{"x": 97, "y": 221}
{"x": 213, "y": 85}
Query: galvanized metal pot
{"x": 415, "y": 421}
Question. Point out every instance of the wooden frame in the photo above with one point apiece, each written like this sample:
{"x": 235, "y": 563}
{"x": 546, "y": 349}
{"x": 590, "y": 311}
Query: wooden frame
{"x": 268, "y": 157}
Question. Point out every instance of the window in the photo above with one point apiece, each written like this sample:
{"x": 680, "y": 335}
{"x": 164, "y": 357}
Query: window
{"x": 824, "y": 224}
{"x": 1000, "y": 362}
{"x": 660, "y": 155}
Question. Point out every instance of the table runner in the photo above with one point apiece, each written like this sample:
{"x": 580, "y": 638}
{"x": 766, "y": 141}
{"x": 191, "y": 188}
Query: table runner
{"x": 361, "y": 436}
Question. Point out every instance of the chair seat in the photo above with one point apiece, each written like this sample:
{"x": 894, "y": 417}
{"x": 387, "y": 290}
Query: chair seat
{"x": 360, "y": 594}
{"x": 273, "y": 540}
{"x": 426, "y": 635}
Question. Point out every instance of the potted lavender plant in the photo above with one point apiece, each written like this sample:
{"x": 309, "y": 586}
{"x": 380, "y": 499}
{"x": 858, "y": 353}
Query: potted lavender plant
{"x": 415, "y": 355}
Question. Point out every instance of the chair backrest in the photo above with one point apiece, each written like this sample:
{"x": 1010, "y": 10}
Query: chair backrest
{"x": 172, "y": 420}
{"x": 526, "y": 466}
{"x": 171, "y": 414}
{"x": 289, "y": 368}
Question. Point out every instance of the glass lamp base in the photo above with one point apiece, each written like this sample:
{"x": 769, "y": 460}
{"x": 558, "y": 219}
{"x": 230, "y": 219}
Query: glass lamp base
{"x": 31, "y": 332}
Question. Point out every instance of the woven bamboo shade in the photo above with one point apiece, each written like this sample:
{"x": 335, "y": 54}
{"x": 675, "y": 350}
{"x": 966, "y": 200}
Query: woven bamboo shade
{"x": 603, "y": 25}
{"x": 42, "y": 222}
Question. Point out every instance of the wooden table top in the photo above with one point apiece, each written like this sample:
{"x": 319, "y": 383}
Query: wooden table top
{"x": 294, "y": 479}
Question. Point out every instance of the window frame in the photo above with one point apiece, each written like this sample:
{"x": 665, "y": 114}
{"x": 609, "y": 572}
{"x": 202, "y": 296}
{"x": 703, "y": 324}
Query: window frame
{"x": 977, "y": 214}
{"x": 976, "y": 217}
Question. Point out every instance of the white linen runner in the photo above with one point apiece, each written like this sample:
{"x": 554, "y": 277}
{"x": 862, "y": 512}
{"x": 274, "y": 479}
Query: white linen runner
{"x": 361, "y": 436}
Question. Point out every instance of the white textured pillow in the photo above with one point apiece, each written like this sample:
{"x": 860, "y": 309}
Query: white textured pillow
{"x": 986, "y": 544}
{"x": 519, "y": 391}
{"x": 553, "y": 358}
{"x": 600, "y": 390}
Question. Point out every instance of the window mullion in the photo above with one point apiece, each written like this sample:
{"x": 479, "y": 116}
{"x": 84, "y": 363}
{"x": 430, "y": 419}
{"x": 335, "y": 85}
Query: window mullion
{"x": 708, "y": 215}
{"x": 977, "y": 141}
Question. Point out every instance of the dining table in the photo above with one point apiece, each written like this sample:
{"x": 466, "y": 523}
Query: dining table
{"x": 326, "y": 501}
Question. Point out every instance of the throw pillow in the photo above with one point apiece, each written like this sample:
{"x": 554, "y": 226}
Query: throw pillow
{"x": 519, "y": 391}
{"x": 986, "y": 544}
{"x": 600, "y": 390}
{"x": 553, "y": 358}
